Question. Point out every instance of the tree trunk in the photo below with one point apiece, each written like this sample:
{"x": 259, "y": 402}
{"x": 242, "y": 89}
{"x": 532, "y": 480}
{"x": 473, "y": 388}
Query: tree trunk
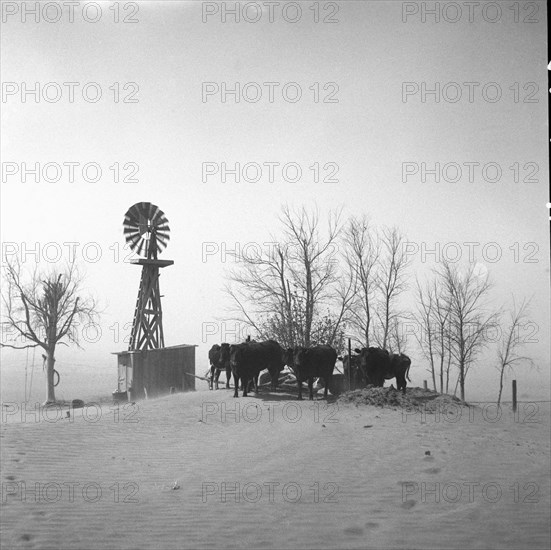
{"x": 458, "y": 380}
{"x": 462, "y": 379}
{"x": 442, "y": 359}
{"x": 50, "y": 377}
{"x": 432, "y": 370}
{"x": 387, "y": 322}
{"x": 448, "y": 367}
{"x": 367, "y": 324}
{"x": 500, "y": 385}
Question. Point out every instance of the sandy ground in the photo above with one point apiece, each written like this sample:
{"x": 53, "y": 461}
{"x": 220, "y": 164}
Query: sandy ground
{"x": 184, "y": 472}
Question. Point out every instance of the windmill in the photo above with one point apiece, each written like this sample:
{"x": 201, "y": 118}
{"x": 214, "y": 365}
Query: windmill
{"x": 146, "y": 231}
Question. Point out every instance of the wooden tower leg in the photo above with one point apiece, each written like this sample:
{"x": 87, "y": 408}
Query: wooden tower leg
{"x": 147, "y": 328}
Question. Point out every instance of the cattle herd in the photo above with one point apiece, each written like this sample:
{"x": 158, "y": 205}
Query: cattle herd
{"x": 245, "y": 362}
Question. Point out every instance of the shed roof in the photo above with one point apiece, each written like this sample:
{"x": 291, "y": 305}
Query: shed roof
{"x": 156, "y": 349}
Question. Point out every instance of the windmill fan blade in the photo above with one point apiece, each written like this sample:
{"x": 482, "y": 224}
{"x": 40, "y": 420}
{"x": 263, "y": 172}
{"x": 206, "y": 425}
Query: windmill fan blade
{"x": 162, "y": 240}
{"x": 161, "y": 245}
{"x": 131, "y": 231}
{"x": 134, "y": 212}
{"x": 134, "y": 242}
{"x": 141, "y": 246}
{"x": 157, "y": 218}
{"x": 132, "y": 235}
{"x": 132, "y": 217}
{"x": 131, "y": 228}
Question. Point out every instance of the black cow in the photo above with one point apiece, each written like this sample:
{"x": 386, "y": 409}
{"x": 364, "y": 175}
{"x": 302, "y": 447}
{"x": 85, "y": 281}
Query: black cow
{"x": 315, "y": 362}
{"x": 374, "y": 364}
{"x": 250, "y": 358}
{"x": 219, "y": 358}
{"x": 378, "y": 365}
{"x": 274, "y": 369}
{"x": 399, "y": 364}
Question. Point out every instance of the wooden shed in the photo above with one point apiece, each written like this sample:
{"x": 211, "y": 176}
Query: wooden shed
{"x": 155, "y": 372}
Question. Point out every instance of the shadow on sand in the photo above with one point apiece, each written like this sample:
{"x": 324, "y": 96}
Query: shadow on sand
{"x": 284, "y": 394}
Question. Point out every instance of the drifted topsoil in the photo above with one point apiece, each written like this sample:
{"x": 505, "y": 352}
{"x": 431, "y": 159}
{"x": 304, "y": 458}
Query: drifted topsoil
{"x": 414, "y": 398}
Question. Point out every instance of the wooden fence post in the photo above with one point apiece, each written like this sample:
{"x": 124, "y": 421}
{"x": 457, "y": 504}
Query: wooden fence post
{"x": 425, "y": 387}
{"x": 514, "y": 396}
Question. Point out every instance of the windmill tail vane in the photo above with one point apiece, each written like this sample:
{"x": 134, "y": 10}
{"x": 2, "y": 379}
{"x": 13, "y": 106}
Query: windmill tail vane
{"x": 147, "y": 232}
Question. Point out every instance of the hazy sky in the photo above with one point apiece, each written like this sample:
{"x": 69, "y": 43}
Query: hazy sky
{"x": 374, "y": 124}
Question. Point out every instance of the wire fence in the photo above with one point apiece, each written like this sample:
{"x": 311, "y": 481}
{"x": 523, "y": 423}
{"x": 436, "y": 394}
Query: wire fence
{"x": 507, "y": 402}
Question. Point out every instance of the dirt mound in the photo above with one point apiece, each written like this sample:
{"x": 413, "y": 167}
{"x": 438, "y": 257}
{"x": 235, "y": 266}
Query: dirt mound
{"x": 415, "y": 398}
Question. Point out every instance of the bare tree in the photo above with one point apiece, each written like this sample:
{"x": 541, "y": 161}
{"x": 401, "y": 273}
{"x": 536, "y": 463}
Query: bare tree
{"x": 44, "y": 311}
{"x": 464, "y": 296}
{"x": 433, "y": 317}
{"x": 442, "y": 321}
{"x": 508, "y": 350}
{"x": 425, "y": 318}
{"x": 281, "y": 293}
{"x": 391, "y": 282}
{"x": 361, "y": 255}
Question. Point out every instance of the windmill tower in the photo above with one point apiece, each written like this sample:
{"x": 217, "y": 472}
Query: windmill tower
{"x": 146, "y": 231}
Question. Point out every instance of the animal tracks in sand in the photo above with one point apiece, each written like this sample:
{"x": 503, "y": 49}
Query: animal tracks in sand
{"x": 432, "y": 471}
{"x": 408, "y": 504}
{"x": 354, "y": 531}
{"x": 357, "y": 531}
